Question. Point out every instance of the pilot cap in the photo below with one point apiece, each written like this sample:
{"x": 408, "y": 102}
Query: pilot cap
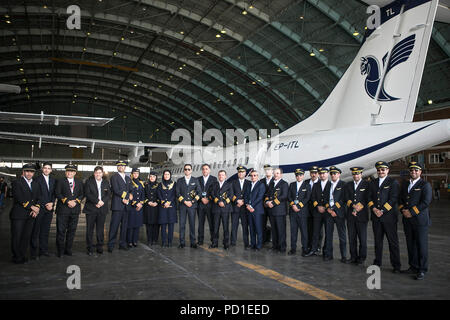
{"x": 135, "y": 170}
{"x": 322, "y": 170}
{"x": 29, "y": 167}
{"x": 121, "y": 163}
{"x": 381, "y": 164}
{"x": 299, "y": 172}
{"x": 356, "y": 170}
{"x": 71, "y": 167}
{"x": 415, "y": 165}
{"x": 334, "y": 169}
{"x": 241, "y": 169}
{"x": 314, "y": 169}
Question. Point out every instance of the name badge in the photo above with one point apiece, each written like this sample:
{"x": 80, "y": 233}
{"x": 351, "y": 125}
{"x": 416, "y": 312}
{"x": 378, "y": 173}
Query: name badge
{"x": 203, "y": 194}
{"x": 296, "y": 201}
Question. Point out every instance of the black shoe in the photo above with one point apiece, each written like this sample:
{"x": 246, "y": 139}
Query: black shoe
{"x": 395, "y": 270}
{"x": 59, "y": 254}
{"x": 411, "y": 270}
{"x": 233, "y": 245}
{"x": 212, "y": 246}
{"x": 130, "y": 245}
{"x": 327, "y": 258}
{"x": 291, "y": 252}
{"x": 420, "y": 276}
{"x": 68, "y": 253}
{"x": 344, "y": 260}
{"x": 46, "y": 254}
{"x": 226, "y": 247}
{"x": 110, "y": 250}
{"x": 194, "y": 246}
{"x": 124, "y": 248}
{"x": 135, "y": 245}
{"x": 100, "y": 251}
{"x": 200, "y": 243}
{"x": 311, "y": 253}
{"x": 282, "y": 250}
{"x": 181, "y": 246}
{"x": 34, "y": 258}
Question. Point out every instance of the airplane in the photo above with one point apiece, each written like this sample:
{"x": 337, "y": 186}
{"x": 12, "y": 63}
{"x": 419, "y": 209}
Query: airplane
{"x": 366, "y": 118}
{"x": 55, "y": 119}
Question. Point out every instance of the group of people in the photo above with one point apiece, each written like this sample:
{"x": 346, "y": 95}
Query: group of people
{"x": 314, "y": 205}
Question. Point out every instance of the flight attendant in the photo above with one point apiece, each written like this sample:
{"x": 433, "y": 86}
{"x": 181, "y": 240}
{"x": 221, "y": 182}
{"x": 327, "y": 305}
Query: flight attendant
{"x": 151, "y": 209}
{"x": 167, "y": 211}
{"x": 135, "y": 213}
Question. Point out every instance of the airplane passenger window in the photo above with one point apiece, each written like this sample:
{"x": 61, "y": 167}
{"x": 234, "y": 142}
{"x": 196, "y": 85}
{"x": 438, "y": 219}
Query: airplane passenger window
{"x": 246, "y": 160}
{"x": 214, "y": 165}
{"x": 234, "y": 163}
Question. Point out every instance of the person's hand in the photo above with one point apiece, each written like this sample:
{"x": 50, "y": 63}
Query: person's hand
{"x": 130, "y": 197}
{"x": 321, "y": 209}
{"x": 221, "y": 204}
{"x": 71, "y": 204}
{"x": 188, "y": 204}
{"x": 125, "y": 201}
{"x": 270, "y": 204}
{"x": 100, "y": 203}
{"x": 406, "y": 213}
{"x": 139, "y": 206}
{"x": 240, "y": 202}
{"x": 166, "y": 205}
{"x": 205, "y": 201}
{"x": 295, "y": 208}
{"x": 354, "y": 213}
{"x": 333, "y": 214}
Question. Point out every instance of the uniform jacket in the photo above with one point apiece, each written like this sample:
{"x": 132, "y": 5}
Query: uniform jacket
{"x": 120, "y": 190}
{"x": 91, "y": 192}
{"x": 206, "y": 189}
{"x": 300, "y": 198}
{"x": 384, "y": 197}
{"x": 358, "y": 196}
{"x": 47, "y": 193}
{"x": 224, "y": 194}
{"x": 238, "y": 193}
{"x": 320, "y": 197}
{"x": 138, "y": 192}
{"x": 191, "y": 192}
{"x": 278, "y": 194}
{"x": 164, "y": 195}
{"x": 339, "y": 199}
{"x": 255, "y": 197}
{"x": 24, "y": 198}
{"x": 151, "y": 213}
{"x": 64, "y": 195}
{"x": 417, "y": 200}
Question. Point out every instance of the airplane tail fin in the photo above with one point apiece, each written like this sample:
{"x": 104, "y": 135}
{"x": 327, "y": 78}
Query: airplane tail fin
{"x": 382, "y": 83}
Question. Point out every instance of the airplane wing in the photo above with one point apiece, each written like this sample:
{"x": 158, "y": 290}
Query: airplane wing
{"x": 92, "y": 143}
{"x": 54, "y": 119}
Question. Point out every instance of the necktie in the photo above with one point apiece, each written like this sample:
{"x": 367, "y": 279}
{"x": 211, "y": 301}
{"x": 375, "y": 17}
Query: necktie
{"x": 71, "y": 186}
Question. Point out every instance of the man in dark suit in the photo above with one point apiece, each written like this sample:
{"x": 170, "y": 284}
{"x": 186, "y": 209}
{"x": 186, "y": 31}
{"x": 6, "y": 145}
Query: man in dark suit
{"x": 26, "y": 207}
{"x": 41, "y": 229}
{"x": 383, "y": 198}
{"x": 69, "y": 192}
{"x": 3, "y": 191}
{"x": 268, "y": 170}
{"x": 239, "y": 212}
{"x": 415, "y": 198}
{"x": 254, "y": 198}
{"x": 314, "y": 178}
{"x": 335, "y": 214}
{"x": 204, "y": 205}
{"x": 276, "y": 201}
{"x": 188, "y": 193}
{"x": 98, "y": 193}
{"x": 320, "y": 197}
{"x": 356, "y": 197}
{"x": 298, "y": 198}
{"x": 221, "y": 195}
{"x": 121, "y": 198}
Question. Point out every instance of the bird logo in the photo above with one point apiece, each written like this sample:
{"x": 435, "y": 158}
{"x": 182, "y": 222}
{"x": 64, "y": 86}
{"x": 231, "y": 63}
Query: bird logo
{"x": 371, "y": 68}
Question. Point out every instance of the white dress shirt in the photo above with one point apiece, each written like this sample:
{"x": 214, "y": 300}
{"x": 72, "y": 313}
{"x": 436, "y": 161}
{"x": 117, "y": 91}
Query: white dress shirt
{"x": 241, "y": 181}
{"x": 28, "y": 182}
{"x": 381, "y": 181}
{"x": 323, "y": 184}
{"x": 71, "y": 183}
{"x": 99, "y": 188}
{"x": 268, "y": 180}
{"x": 412, "y": 183}
{"x": 205, "y": 180}
{"x": 47, "y": 178}
{"x": 187, "y": 179}
{"x": 275, "y": 182}
{"x": 123, "y": 176}
{"x": 221, "y": 184}
{"x": 311, "y": 182}
{"x": 356, "y": 184}
{"x": 333, "y": 185}
{"x": 299, "y": 184}
{"x": 253, "y": 184}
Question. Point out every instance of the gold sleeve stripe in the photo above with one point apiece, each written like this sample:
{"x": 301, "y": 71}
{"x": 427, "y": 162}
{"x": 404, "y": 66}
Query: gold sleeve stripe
{"x": 216, "y": 200}
{"x": 360, "y": 204}
{"x": 197, "y": 197}
{"x": 64, "y": 200}
{"x": 301, "y": 204}
{"x": 415, "y": 210}
{"x": 25, "y": 204}
{"x": 78, "y": 200}
{"x": 133, "y": 203}
{"x": 234, "y": 198}
{"x": 292, "y": 203}
{"x": 387, "y": 206}
{"x": 338, "y": 205}
{"x": 124, "y": 194}
{"x": 180, "y": 199}
{"x": 327, "y": 205}
{"x": 38, "y": 205}
{"x": 400, "y": 207}
{"x": 276, "y": 201}
{"x": 349, "y": 202}
{"x": 370, "y": 203}
{"x": 227, "y": 200}
{"x": 168, "y": 202}
{"x": 315, "y": 203}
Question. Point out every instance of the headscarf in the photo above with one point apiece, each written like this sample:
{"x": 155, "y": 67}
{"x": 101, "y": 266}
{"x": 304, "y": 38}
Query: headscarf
{"x": 164, "y": 181}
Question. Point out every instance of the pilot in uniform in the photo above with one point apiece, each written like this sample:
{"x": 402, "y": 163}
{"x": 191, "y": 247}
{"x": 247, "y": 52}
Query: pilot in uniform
{"x": 151, "y": 209}
{"x": 320, "y": 197}
{"x": 69, "y": 192}
{"x": 415, "y": 198}
{"x": 204, "y": 209}
{"x": 221, "y": 195}
{"x": 239, "y": 212}
{"x": 314, "y": 178}
{"x": 268, "y": 170}
{"x": 167, "y": 210}
{"x": 135, "y": 211}
{"x": 188, "y": 193}
{"x": 356, "y": 197}
{"x": 298, "y": 198}
{"x": 383, "y": 197}
{"x": 120, "y": 202}
{"x": 276, "y": 201}
{"x": 335, "y": 213}
{"x": 254, "y": 199}
{"x": 26, "y": 207}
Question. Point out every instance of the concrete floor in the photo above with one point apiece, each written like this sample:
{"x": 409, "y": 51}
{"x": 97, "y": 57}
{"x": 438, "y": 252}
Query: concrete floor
{"x": 171, "y": 273}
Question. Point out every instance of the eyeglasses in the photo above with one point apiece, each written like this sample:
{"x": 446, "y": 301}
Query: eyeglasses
{"x": 411, "y": 170}
{"x": 187, "y": 169}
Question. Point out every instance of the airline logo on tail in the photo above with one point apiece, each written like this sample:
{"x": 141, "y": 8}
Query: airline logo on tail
{"x": 371, "y": 67}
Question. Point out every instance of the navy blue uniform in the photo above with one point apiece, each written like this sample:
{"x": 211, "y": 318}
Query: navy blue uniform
{"x": 205, "y": 210}
{"x": 417, "y": 201}
{"x": 357, "y": 225}
{"x": 266, "y": 230}
{"x": 338, "y": 196}
{"x": 221, "y": 194}
{"x": 135, "y": 216}
{"x": 255, "y": 198}
{"x": 67, "y": 218}
{"x": 319, "y": 197}
{"x": 151, "y": 213}
{"x": 187, "y": 192}
{"x": 239, "y": 213}
{"x": 311, "y": 219}
{"x": 21, "y": 221}
{"x": 299, "y": 220}
{"x": 95, "y": 217}
{"x": 278, "y": 194}
{"x": 385, "y": 197}
{"x": 167, "y": 217}
{"x": 41, "y": 228}
{"x": 120, "y": 190}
